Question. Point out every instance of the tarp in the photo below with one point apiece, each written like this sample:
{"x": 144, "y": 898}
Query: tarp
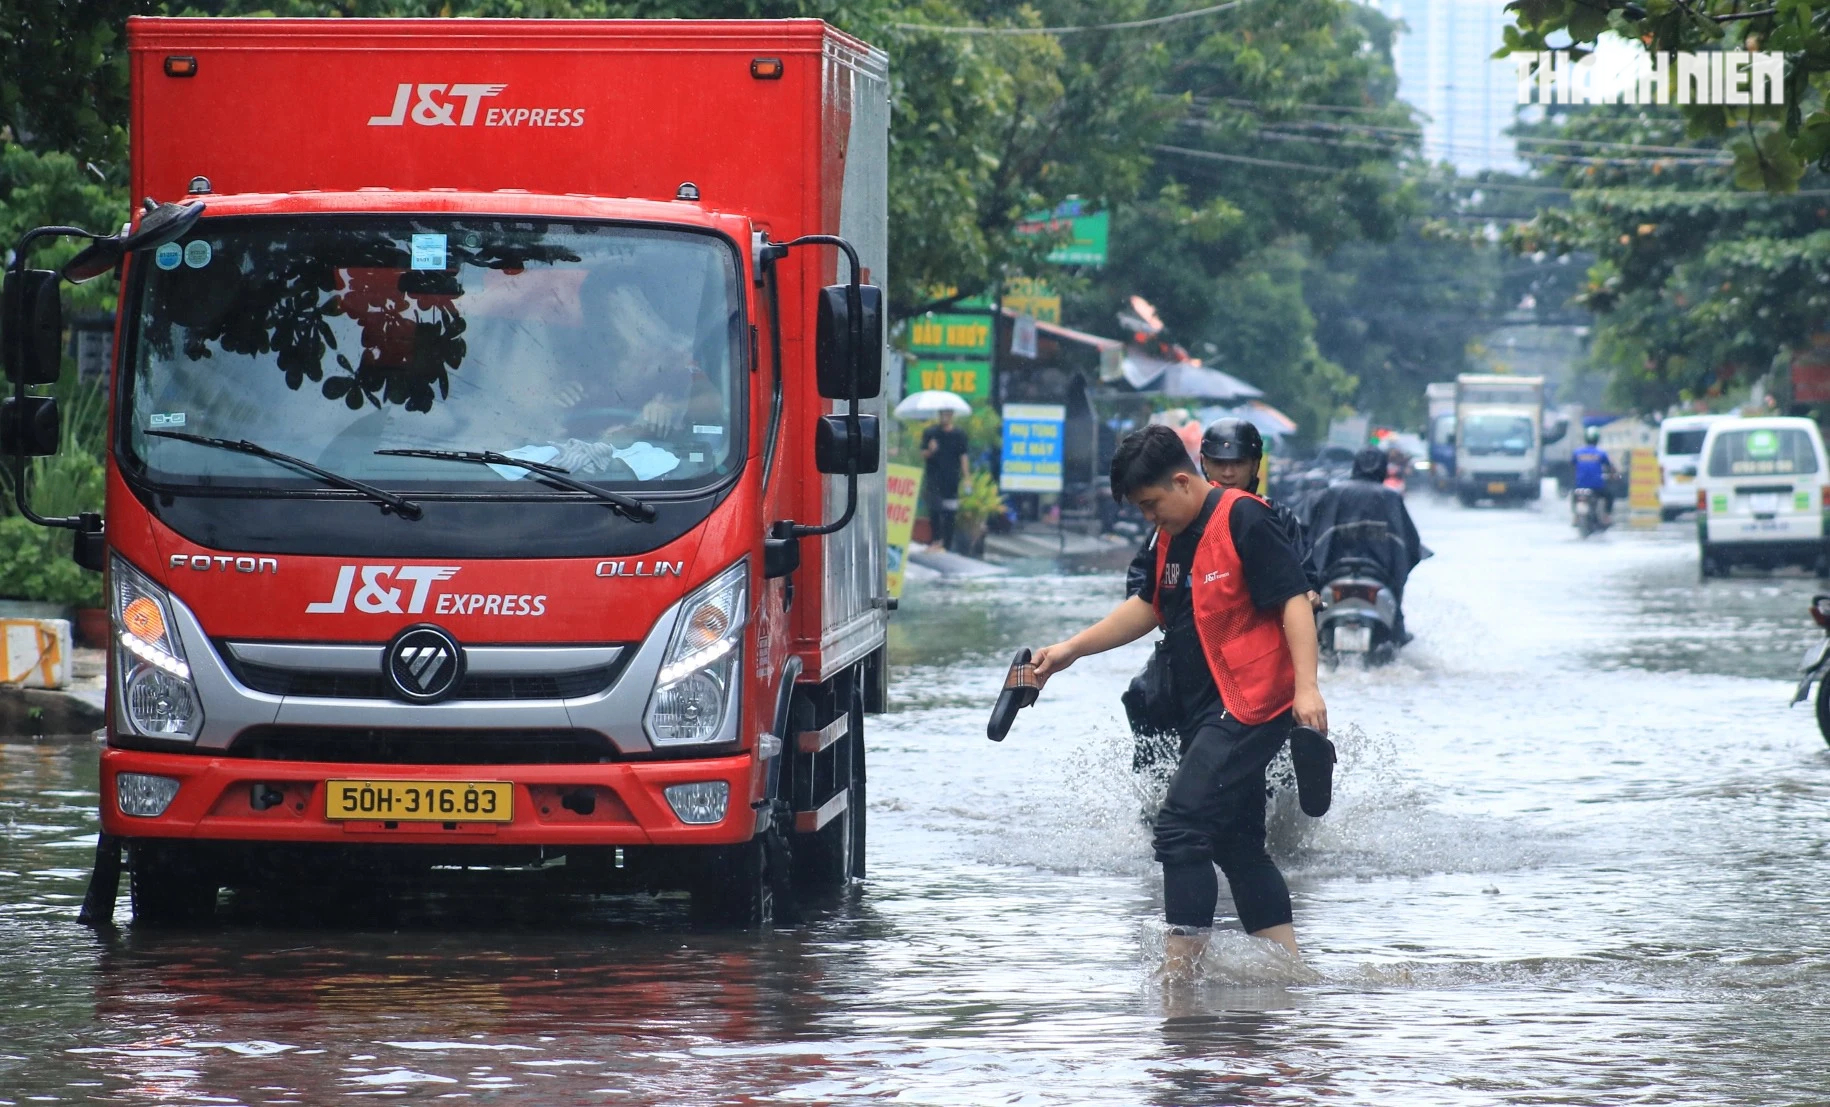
{"x": 1184, "y": 378}
{"x": 1363, "y": 518}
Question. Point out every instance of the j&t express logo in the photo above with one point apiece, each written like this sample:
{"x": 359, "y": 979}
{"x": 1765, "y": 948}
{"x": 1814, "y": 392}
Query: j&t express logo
{"x": 461, "y": 105}
{"x": 407, "y": 590}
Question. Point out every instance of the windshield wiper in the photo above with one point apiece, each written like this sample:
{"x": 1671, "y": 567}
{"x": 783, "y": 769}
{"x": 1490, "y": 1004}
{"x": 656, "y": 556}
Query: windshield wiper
{"x": 627, "y": 506}
{"x": 400, "y": 505}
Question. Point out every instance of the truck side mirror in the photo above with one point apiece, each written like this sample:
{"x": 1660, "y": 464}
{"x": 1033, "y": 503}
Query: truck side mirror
{"x": 162, "y": 223}
{"x": 32, "y": 326}
{"x": 835, "y": 450}
{"x": 29, "y": 426}
{"x": 833, "y": 356}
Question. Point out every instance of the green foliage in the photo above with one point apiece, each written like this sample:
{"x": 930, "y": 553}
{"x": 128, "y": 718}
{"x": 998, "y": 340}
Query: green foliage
{"x": 1398, "y": 315}
{"x": 1775, "y": 158}
{"x": 35, "y": 564}
{"x": 979, "y": 501}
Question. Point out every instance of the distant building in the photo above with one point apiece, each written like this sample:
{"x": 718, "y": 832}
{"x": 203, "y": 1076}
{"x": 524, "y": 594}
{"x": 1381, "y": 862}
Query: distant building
{"x": 1446, "y": 69}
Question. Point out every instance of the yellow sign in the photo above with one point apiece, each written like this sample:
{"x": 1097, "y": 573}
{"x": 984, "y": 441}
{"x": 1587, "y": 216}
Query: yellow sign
{"x": 1642, "y": 486}
{"x": 1034, "y": 298}
{"x": 904, "y": 487}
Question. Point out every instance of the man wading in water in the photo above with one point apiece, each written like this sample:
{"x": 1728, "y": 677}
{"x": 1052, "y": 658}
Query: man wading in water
{"x": 1226, "y": 585}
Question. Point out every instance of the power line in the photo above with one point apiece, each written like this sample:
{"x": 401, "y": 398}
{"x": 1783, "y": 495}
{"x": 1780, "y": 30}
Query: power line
{"x": 1127, "y": 25}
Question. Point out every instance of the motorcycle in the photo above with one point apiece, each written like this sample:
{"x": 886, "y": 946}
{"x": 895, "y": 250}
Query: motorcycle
{"x": 1359, "y": 616}
{"x": 1817, "y": 666}
{"x": 1585, "y": 506}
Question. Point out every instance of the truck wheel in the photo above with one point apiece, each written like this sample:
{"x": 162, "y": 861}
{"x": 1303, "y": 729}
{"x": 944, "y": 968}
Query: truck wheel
{"x": 832, "y": 855}
{"x": 746, "y": 886}
{"x": 166, "y": 890}
{"x": 1709, "y": 565}
{"x": 1466, "y": 498}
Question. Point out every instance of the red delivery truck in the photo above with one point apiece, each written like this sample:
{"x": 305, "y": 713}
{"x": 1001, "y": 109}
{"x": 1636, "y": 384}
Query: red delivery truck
{"x": 493, "y": 469}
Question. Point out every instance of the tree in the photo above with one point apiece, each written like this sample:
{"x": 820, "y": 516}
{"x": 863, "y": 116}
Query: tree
{"x": 1287, "y": 149}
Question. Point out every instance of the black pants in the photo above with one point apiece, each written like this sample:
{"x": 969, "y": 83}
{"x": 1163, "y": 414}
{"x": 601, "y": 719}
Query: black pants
{"x": 1214, "y": 815}
{"x": 940, "y": 519}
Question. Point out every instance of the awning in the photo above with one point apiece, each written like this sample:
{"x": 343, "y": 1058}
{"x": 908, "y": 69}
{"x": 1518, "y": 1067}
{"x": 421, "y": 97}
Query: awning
{"x": 1184, "y": 378}
{"x": 1270, "y": 422}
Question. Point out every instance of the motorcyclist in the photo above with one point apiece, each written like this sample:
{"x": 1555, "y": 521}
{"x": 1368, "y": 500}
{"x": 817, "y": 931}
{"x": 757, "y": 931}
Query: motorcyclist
{"x": 1232, "y": 450}
{"x": 1593, "y": 470}
{"x": 1362, "y": 518}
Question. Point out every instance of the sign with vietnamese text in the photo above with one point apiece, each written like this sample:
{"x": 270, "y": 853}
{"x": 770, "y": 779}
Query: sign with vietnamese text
{"x": 903, "y": 484}
{"x": 1642, "y": 487}
{"x": 1032, "y": 460}
{"x": 971, "y": 380}
{"x": 949, "y": 333}
{"x": 1034, "y": 298}
{"x": 1085, "y": 231}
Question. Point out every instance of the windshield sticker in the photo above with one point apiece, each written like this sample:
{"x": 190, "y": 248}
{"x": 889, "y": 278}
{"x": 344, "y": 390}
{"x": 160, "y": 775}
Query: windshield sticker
{"x": 1762, "y": 444}
{"x": 169, "y": 256}
{"x": 197, "y": 253}
{"x": 166, "y": 419}
{"x": 428, "y": 251}
{"x": 701, "y": 428}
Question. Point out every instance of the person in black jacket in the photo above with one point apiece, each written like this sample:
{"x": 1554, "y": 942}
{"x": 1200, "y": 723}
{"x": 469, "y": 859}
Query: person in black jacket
{"x": 1364, "y": 519}
{"x": 1231, "y": 452}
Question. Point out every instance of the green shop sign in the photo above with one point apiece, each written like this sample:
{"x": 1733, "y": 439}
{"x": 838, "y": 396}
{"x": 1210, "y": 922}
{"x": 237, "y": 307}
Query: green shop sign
{"x": 970, "y": 379}
{"x": 1086, "y": 231}
{"x": 951, "y": 334}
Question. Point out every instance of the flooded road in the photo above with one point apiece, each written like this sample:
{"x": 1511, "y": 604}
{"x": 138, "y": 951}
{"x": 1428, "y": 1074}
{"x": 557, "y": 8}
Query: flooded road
{"x": 1577, "y": 856}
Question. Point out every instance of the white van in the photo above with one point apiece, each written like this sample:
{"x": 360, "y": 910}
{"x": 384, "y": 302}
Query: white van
{"x": 1762, "y": 488}
{"x": 1680, "y": 446}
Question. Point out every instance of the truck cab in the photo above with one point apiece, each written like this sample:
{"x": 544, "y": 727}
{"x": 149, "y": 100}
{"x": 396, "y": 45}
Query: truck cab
{"x": 494, "y": 471}
{"x": 1499, "y": 438}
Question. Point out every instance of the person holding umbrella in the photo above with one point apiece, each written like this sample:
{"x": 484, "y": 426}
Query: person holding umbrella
{"x": 944, "y": 454}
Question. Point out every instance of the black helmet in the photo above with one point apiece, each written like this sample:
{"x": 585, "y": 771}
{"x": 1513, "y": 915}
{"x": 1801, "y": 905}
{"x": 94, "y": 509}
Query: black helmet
{"x": 1369, "y": 464}
{"x": 1231, "y": 439}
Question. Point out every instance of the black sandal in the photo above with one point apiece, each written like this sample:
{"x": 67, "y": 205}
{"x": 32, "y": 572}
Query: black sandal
{"x": 1020, "y": 690}
{"x": 1312, "y": 756}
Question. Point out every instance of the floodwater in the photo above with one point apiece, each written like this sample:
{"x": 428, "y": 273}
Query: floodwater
{"x": 1578, "y": 855}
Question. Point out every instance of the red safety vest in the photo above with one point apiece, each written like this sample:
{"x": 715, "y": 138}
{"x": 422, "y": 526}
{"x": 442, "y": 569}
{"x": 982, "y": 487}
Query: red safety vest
{"x": 1245, "y": 647}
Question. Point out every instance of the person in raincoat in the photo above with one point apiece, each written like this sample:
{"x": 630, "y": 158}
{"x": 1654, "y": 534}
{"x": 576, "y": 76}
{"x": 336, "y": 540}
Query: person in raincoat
{"x": 1362, "y": 518}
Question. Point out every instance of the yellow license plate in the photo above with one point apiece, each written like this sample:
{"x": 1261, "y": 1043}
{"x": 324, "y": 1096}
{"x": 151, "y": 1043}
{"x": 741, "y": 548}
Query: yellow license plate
{"x": 1682, "y": 478}
{"x": 429, "y": 801}
{"x": 1497, "y": 486}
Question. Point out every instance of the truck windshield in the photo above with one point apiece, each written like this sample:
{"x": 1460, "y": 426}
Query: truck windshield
{"x": 1496, "y": 434}
{"x": 607, "y": 350}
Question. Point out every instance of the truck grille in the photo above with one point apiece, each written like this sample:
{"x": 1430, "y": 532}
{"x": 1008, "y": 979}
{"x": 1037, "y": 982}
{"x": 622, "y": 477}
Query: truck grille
{"x": 370, "y": 686}
{"x": 372, "y": 746}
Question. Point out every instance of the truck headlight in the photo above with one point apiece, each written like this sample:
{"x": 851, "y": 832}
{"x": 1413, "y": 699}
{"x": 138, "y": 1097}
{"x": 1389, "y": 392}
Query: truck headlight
{"x": 156, "y": 690}
{"x": 697, "y": 682}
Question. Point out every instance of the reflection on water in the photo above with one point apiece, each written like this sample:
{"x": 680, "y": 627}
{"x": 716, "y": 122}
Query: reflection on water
{"x": 1574, "y": 859}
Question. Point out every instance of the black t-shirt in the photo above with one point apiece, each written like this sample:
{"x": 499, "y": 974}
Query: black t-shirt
{"x": 943, "y": 464}
{"x": 1273, "y": 573}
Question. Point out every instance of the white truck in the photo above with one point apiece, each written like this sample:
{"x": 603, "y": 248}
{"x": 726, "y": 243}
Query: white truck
{"x": 1499, "y": 438}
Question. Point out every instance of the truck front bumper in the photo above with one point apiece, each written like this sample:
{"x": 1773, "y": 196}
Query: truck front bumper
{"x": 239, "y": 799}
